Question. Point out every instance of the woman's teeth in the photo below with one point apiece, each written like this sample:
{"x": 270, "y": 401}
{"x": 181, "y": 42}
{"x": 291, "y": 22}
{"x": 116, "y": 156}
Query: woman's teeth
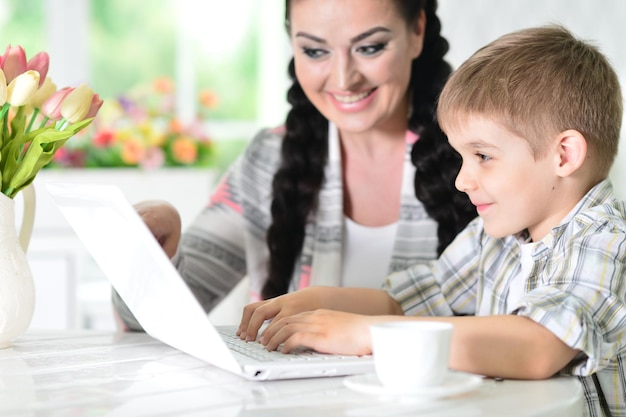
{"x": 351, "y": 98}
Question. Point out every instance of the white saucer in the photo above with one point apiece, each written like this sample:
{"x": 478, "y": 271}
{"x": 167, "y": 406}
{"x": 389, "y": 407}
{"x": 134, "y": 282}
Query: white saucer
{"x": 456, "y": 383}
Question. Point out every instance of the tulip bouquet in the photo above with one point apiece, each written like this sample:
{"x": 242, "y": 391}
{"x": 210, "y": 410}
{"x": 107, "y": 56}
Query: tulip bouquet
{"x": 36, "y": 119}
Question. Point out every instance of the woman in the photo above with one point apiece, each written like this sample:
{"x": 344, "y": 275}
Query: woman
{"x": 360, "y": 180}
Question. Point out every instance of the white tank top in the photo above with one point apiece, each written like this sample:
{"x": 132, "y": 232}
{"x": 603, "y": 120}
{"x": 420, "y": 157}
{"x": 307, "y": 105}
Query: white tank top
{"x": 366, "y": 254}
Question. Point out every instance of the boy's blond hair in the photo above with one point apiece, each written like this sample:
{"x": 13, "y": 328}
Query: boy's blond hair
{"x": 539, "y": 82}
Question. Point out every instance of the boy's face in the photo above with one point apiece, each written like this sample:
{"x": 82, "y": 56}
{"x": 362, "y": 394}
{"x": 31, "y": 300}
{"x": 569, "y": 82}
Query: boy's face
{"x": 512, "y": 191}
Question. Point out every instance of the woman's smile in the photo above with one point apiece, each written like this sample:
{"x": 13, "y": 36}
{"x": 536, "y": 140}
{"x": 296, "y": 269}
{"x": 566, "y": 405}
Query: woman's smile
{"x": 353, "y": 102}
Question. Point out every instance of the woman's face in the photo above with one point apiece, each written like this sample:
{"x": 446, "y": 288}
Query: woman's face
{"x": 353, "y": 60}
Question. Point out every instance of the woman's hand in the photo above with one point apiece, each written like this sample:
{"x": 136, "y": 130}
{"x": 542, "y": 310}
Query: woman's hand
{"x": 255, "y": 314}
{"x": 325, "y": 331}
{"x": 163, "y": 221}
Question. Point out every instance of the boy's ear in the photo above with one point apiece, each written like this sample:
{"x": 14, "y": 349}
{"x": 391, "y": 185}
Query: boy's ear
{"x": 572, "y": 152}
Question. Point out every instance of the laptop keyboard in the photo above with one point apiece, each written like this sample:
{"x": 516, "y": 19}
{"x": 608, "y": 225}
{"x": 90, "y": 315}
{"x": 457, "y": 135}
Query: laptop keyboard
{"x": 258, "y": 352}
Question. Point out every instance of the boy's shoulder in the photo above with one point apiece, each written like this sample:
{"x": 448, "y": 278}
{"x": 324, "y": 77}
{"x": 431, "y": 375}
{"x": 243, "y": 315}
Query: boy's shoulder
{"x": 598, "y": 211}
{"x": 611, "y": 214}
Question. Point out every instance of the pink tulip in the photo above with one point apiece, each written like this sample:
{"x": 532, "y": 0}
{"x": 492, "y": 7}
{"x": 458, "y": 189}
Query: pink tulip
{"x": 13, "y": 62}
{"x": 39, "y": 63}
{"x": 3, "y": 88}
{"x": 51, "y": 108}
{"x": 96, "y": 103}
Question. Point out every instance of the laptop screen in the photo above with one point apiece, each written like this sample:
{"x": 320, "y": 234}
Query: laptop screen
{"x": 139, "y": 270}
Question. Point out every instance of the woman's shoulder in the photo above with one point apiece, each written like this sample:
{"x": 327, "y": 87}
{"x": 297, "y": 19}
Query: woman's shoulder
{"x": 267, "y": 138}
{"x": 263, "y": 153}
{"x": 265, "y": 145}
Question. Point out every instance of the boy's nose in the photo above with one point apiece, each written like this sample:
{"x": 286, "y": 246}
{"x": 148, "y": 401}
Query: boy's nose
{"x": 464, "y": 181}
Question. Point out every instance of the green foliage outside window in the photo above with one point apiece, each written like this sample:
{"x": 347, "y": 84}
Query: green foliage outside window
{"x": 132, "y": 43}
{"x": 15, "y": 15}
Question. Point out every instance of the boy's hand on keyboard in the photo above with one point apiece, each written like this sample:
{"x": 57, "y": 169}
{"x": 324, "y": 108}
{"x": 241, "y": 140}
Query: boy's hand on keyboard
{"x": 255, "y": 314}
{"x": 324, "y": 331}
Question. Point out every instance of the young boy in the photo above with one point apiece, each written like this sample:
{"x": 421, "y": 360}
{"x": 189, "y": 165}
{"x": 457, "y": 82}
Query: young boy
{"x": 535, "y": 286}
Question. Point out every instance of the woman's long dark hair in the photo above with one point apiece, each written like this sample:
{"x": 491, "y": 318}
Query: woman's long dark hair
{"x": 297, "y": 182}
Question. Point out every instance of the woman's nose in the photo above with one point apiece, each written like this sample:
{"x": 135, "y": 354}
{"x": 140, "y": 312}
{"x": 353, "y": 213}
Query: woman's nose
{"x": 346, "y": 72}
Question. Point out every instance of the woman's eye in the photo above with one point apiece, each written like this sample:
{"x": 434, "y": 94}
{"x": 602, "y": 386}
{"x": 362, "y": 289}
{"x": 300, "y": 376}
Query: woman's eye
{"x": 313, "y": 52}
{"x": 371, "y": 49}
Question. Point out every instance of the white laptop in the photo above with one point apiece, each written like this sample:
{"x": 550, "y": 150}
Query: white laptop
{"x": 152, "y": 288}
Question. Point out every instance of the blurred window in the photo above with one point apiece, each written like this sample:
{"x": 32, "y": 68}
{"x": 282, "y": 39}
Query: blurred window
{"x": 210, "y": 47}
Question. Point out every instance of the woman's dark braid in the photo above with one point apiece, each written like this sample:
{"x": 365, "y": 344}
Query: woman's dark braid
{"x": 437, "y": 164}
{"x": 295, "y": 186}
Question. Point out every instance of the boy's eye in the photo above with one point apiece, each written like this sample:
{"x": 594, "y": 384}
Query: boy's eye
{"x": 483, "y": 157}
{"x": 371, "y": 49}
{"x": 313, "y": 52}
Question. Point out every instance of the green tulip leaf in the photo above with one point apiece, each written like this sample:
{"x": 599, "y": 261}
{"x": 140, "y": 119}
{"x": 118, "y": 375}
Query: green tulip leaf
{"x": 27, "y": 154}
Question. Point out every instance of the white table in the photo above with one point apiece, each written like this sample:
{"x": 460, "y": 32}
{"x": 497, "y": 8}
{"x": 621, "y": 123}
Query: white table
{"x": 94, "y": 373}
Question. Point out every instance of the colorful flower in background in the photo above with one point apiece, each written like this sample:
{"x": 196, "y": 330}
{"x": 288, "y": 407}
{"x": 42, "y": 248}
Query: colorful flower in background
{"x": 36, "y": 119}
{"x": 140, "y": 129}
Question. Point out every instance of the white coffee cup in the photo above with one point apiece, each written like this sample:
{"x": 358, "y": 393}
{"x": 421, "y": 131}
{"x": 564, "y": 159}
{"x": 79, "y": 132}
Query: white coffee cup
{"x": 411, "y": 354}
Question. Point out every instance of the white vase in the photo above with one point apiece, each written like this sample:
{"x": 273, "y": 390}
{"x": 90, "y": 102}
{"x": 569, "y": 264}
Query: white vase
{"x": 17, "y": 289}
